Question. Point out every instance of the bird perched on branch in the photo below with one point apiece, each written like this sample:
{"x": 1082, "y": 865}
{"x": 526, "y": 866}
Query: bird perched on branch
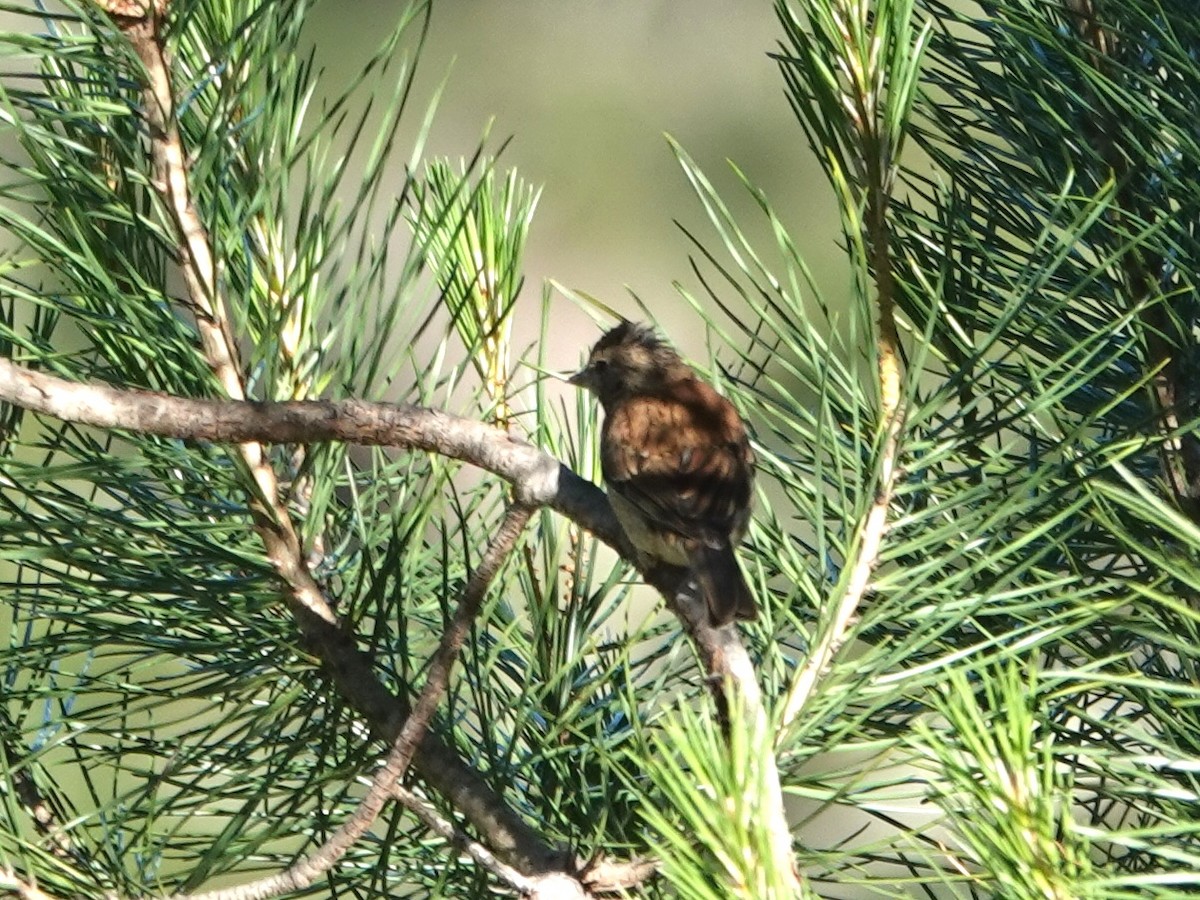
{"x": 677, "y": 463}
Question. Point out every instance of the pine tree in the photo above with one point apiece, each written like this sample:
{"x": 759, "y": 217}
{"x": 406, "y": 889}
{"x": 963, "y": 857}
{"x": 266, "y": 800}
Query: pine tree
{"x": 298, "y": 599}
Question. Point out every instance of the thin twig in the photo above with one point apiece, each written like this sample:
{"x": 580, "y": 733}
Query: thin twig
{"x": 445, "y": 829}
{"x": 34, "y": 801}
{"x": 305, "y": 872}
{"x": 834, "y": 635}
{"x": 871, "y": 534}
{"x": 26, "y": 890}
{"x": 171, "y": 181}
{"x": 197, "y": 262}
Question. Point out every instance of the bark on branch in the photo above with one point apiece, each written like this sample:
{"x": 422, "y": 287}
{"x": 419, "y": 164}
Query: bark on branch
{"x": 537, "y": 478}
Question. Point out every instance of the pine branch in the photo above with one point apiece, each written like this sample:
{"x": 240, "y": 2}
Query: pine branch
{"x": 537, "y": 479}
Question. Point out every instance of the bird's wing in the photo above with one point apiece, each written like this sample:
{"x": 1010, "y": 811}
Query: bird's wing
{"x": 683, "y": 461}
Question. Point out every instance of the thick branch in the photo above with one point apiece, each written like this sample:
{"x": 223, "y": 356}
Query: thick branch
{"x": 537, "y": 478}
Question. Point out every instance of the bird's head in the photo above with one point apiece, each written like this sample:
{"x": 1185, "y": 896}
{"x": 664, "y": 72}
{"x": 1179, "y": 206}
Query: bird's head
{"x": 628, "y": 360}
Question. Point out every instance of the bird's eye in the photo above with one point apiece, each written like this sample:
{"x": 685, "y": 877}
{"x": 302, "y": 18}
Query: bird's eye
{"x": 599, "y": 365}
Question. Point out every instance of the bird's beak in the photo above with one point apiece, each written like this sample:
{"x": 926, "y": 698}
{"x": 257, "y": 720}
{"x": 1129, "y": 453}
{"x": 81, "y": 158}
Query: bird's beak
{"x": 582, "y": 378}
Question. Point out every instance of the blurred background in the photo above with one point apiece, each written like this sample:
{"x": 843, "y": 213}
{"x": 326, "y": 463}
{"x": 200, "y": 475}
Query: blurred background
{"x": 586, "y": 91}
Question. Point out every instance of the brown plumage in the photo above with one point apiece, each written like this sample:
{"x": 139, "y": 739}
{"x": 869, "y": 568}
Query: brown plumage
{"x": 677, "y": 463}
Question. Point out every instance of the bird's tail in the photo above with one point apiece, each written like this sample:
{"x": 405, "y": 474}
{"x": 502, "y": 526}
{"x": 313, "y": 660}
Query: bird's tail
{"x": 722, "y": 584}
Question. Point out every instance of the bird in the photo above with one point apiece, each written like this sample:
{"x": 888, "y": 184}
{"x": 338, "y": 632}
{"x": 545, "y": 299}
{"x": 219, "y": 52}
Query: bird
{"x": 677, "y": 462}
